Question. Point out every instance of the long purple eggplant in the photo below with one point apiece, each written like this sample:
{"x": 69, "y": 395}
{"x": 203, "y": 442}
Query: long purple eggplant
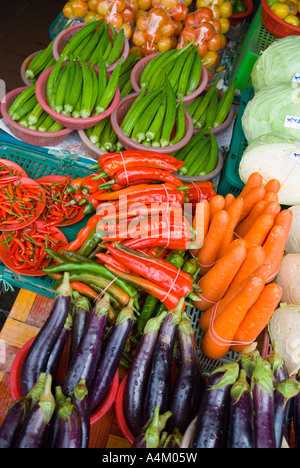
{"x": 240, "y": 423}
{"x": 296, "y": 415}
{"x": 110, "y": 359}
{"x": 33, "y": 431}
{"x": 159, "y": 384}
{"x": 151, "y": 432}
{"x": 81, "y": 312}
{"x": 262, "y": 386}
{"x": 57, "y": 350}
{"x": 80, "y": 399}
{"x": 190, "y": 382}
{"x": 138, "y": 374}
{"x": 70, "y": 428}
{"x": 84, "y": 363}
{"x": 277, "y": 364}
{"x": 284, "y": 394}
{"x": 37, "y": 356}
{"x": 210, "y": 430}
{"x": 53, "y": 429}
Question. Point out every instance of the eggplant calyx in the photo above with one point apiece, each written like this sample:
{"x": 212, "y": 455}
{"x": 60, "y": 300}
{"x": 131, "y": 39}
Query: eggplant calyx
{"x": 230, "y": 373}
{"x": 126, "y": 313}
{"x": 240, "y": 386}
{"x": 185, "y": 326}
{"x": 263, "y": 376}
{"x": 289, "y": 388}
{"x": 38, "y": 389}
{"x": 81, "y": 391}
{"x": 47, "y": 400}
{"x": 82, "y": 302}
{"x": 102, "y": 306}
{"x": 64, "y": 288}
{"x": 276, "y": 360}
{"x": 152, "y": 434}
{"x": 153, "y": 324}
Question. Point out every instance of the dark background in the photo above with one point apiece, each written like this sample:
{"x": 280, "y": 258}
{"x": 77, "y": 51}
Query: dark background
{"x": 24, "y": 29}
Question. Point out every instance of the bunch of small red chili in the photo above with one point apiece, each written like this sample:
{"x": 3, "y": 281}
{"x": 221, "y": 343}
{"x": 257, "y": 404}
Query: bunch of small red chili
{"x": 18, "y": 202}
{"x": 26, "y": 247}
{"x": 9, "y": 174}
{"x": 60, "y": 206}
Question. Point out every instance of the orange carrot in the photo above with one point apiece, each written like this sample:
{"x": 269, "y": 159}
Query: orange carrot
{"x": 254, "y": 259}
{"x": 209, "y": 251}
{"x": 201, "y": 224}
{"x": 228, "y": 200}
{"x": 234, "y": 212}
{"x": 248, "y": 222}
{"x": 217, "y": 280}
{"x": 260, "y": 230}
{"x": 274, "y": 247}
{"x": 273, "y": 185}
{"x": 271, "y": 197}
{"x": 284, "y": 218}
{"x": 250, "y": 200}
{"x": 218, "y": 339}
{"x": 258, "y": 316}
{"x": 216, "y": 204}
{"x": 262, "y": 272}
{"x": 272, "y": 208}
{"x": 255, "y": 180}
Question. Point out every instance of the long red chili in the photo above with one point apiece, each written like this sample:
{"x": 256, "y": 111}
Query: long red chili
{"x": 125, "y": 177}
{"x": 112, "y": 166}
{"x": 132, "y": 153}
{"x": 170, "y": 243}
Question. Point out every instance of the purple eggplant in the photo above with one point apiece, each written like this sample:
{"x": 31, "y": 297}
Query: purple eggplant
{"x": 80, "y": 399}
{"x": 33, "y": 431}
{"x": 240, "y": 422}
{"x": 159, "y": 383}
{"x": 57, "y": 350}
{"x": 190, "y": 382}
{"x": 277, "y": 364}
{"x": 173, "y": 441}
{"x": 296, "y": 416}
{"x": 112, "y": 354}
{"x": 84, "y": 363}
{"x": 82, "y": 309}
{"x": 53, "y": 430}
{"x": 151, "y": 432}
{"x": 37, "y": 356}
{"x": 284, "y": 394}
{"x": 212, "y": 416}
{"x": 262, "y": 386}
{"x": 138, "y": 374}
{"x": 69, "y": 426}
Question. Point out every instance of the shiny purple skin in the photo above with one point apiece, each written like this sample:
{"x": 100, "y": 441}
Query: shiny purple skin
{"x": 70, "y": 429}
{"x": 33, "y": 431}
{"x": 281, "y": 416}
{"x": 109, "y": 363}
{"x": 211, "y": 425}
{"x": 80, "y": 320}
{"x": 159, "y": 383}
{"x": 263, "y": 408}
{"x": 85, "y": 360}
{"x": 83, "y": 406}
{"x": 56, "y": 354}
{"x": 136, "y": 383}
{"x": 36, "y": 359}
{"x": 14, "y": 418}
{"x": 240, "y": 425}
{"x": 296, "y": 420}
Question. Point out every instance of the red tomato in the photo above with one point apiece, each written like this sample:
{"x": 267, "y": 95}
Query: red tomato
{"x": 128, "y": 15}
{"x": 205, "y": 31}
{"x": 142, "y": 22}
{"x": 203, "y": 14}
{"x": 139, "y": 38}
{"x": 148, "y": 49}
{"x": 190, "y": 20}
{"x": 216, "y": 24}
{"x": 188, "y": 34}
{"x": 214, "y": 43}
{"x": 203, "y": 48}
{"x": 179, "y": 13}
{"x": 153, "y": 35}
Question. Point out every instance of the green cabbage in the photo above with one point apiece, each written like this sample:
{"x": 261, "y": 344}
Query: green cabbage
{"x": 267, "y": 111}
{"x": 279, "y": 63}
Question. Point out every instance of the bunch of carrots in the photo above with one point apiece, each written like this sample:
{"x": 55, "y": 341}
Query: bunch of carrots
{"x": 243, "y": 247}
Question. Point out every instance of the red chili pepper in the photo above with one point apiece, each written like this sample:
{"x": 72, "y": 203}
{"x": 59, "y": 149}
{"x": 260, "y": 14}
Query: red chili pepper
{"x": 110, "y": 260}
{"x": 171, "y": 244}
{"x": 125, "y": 177}
{"x": 200, "y": 191}
{"x": 131, "y": 153}
{"x": 91, "y": 186}
{"x": 171, "y": 280}
{"x": 112, "y": 166}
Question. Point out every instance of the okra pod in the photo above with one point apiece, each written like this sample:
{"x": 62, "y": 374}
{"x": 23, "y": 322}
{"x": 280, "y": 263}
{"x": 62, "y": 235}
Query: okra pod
{"x": 110, "y": 90}
{"x": 180, "y": 123}
{"x": 170, "y": 117}
{"x": 87, "y": 92}
{"x": 116, "y": 48}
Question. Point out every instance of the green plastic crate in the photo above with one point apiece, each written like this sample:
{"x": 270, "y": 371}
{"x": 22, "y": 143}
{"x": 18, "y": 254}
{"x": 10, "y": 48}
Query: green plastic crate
{"x": 40, "y": 162}
{"x": 256, "y": 42}
{"x": 230, "y": 181}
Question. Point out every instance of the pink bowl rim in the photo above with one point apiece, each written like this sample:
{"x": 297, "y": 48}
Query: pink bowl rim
{"x": 223, "y": 126}
{"x": 202, "y": 84}
{"x": 71, "y": 122}
{"x": 95, "y": 417}
{"x": 62, "y": 34}
{"x": 139, "y": 146}
{"x": 89, "y": 144}
{"x": 20, "y": 128}
{"x": 25, "y": 65}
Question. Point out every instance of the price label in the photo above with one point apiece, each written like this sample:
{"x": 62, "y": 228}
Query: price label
{"x": 295, "y": 157}
{"x": 292, "y": 122}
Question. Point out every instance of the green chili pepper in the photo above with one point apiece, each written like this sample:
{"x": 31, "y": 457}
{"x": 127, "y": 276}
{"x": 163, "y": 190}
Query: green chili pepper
{"x": 190, "y": 266}
{"x": 147, "y": 312}
{"x": 176, "y": 258}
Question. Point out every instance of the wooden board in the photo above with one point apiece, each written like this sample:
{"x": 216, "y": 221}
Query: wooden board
{"x": 27, "y": 316}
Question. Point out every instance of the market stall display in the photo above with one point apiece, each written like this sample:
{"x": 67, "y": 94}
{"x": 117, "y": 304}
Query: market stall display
{"x": 160, "y": 276}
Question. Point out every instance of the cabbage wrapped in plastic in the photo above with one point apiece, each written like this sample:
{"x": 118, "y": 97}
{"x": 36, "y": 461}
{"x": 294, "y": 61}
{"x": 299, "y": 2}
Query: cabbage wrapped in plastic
{"x": 275, "y": 157}
{"x": 279, "y": 63}
{"x": 268, "y": 110}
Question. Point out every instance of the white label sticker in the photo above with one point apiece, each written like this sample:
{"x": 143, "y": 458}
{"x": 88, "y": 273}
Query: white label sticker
{"x": 296, "y": 78}
{"x": 295, "y": 157}
{"x": 292, "y": 122}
